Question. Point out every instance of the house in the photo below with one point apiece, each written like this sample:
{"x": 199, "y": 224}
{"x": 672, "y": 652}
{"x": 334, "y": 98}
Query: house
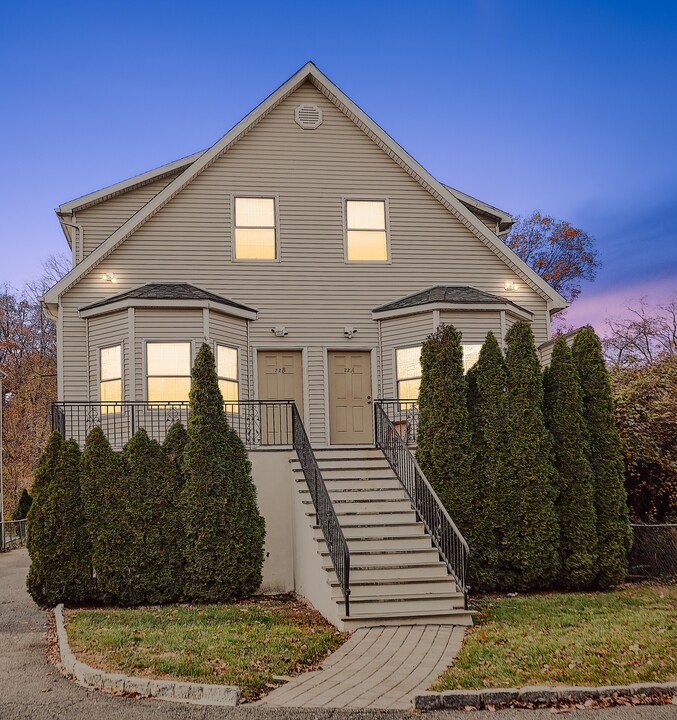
{"x": 315, "y": 255}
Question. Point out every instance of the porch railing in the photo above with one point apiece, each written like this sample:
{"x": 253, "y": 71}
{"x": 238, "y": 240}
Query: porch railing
{"x": 324, "y": 509}
{"x": 443, "y": 532}
{"x": 403, "y": 414}
{"x": 259, "y": 423}
{"x": 13, "y": 534}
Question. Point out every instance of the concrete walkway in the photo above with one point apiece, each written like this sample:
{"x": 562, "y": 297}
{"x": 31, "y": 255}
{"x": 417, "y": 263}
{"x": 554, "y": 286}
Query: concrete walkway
{"x": 377, "y": 668}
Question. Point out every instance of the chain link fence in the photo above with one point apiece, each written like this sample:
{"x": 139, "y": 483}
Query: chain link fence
{"x": 15, "y": 534}
{"x": 654, "y": 551}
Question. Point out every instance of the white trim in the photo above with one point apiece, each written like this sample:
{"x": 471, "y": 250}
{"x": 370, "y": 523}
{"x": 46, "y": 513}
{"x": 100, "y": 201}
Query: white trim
{"x": 437, "y": 306}
{"x": 503, "y": 330}
{"x": 126, "y": 303}
{"x": 344, "y": 215}
{"x": 205, "y": 323}
{"x": 436, "y": 319}
{"x": 125, "y": 185}
{"x": 373, "y": 368}
{"x": 275, "y": 197}
{"x": 59, "y": 353}
{"x": 310, "y": 73}
{"x": 131, "y": 354}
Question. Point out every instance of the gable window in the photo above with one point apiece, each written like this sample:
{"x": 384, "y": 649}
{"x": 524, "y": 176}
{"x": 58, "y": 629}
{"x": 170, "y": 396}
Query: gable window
{"x": 255, "y": 232}
{"x": 110, "y": 375}
{"x": 366, "y": 237}
{"x": 226, "y": 369}
{"x": 168, "y": 369}
{"x": 408, "y": 362}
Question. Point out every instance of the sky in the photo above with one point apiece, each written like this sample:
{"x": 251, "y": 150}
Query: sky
{"x": 566, "y": 106}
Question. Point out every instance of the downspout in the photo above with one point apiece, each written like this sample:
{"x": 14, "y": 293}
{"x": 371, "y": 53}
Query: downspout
{"x": 79, "y": 242}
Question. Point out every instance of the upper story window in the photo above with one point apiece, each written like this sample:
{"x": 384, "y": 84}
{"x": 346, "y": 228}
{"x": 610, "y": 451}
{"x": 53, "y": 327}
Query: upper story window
{"x": 408, "y": 366}
{"x": 366, "y": 236}
{"x": 110, "y": 374}
{"x": 255, "y": 232}
{"x": 226, "y": 369}
{"x": 168, "y": 371}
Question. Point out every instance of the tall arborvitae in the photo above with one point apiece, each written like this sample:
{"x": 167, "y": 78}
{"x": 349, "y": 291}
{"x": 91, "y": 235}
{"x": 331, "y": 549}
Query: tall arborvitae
{"x": 174, "y": 447}
{"x": 114, "y": 538}
{"x": 249, "y": 528}
{"x": 576, "y": 493}
{"x": 529, "y": 527}
{"x": 208, "y": 492}
{"x": 65, "y": 550}
{"x": 487, "y": 409}
{"x": 38, "y": 532}
{"x": 614, "y": 534}
{"x": 153, "y": 509}
{"x": 443, "y": 437}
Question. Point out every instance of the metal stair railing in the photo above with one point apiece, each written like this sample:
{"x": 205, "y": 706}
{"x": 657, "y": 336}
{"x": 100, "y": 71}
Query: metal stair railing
{"x": 443, "y": 532}
{"x": 324, "y": 509}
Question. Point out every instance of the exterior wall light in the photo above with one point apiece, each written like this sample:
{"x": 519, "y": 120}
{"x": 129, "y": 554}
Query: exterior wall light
{"x": 510, "y": 285}
{"x": 109, "y": 277}
{"x": 279, "y": 331}
{"x": 349, "y": 332}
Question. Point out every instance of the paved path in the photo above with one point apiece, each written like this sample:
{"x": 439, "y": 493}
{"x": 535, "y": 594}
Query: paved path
{"x": 32, "y": 689}
{"x": 378, "y": 668}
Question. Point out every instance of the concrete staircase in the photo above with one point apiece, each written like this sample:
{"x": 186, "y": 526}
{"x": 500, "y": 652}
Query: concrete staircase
{"x": 396, "y": 575}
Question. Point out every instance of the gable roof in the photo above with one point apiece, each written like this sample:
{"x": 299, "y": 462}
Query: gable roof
{"x": 452, "y": 294}
{"x": 310, "y": 73}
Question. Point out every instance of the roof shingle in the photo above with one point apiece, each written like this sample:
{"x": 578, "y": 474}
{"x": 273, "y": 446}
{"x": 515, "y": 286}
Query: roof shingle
{"x": 452, "y": 294}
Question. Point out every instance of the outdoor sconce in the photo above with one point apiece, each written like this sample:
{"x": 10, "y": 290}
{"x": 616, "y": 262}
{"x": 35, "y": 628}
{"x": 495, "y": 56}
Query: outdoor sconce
{"x": 279, "y": 331}
{"x": 349, "y": 332}
{"x": 510, "y": 285}
{"x": 109, "y": 277}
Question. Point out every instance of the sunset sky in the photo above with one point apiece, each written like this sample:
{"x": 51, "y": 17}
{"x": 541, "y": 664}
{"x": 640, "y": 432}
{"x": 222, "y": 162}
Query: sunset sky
{"x": 566, "y": 107}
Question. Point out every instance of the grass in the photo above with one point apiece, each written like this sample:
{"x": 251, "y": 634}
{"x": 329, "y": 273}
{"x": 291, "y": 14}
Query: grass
{"x": 244, "y": 643}
{"x": 625, "y": 636}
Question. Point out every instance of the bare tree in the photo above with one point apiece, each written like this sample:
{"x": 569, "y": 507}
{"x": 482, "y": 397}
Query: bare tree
{"x": 644, "y": 336}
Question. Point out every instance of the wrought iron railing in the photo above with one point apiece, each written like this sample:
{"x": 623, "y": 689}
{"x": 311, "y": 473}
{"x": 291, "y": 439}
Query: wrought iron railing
{"x": 13, "y": 534}
{"x": 443, "y": 532}
{"x": 324, "y": 509}
{"x": 403, "y": 414}
{"x": 260, "y": 423}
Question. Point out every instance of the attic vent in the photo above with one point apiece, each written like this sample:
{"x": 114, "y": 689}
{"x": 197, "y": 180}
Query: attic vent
{"x": 308, "y": 117}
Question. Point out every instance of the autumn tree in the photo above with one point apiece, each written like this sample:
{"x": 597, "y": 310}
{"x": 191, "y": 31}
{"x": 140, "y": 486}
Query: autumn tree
{"x": 28, "y": 357}
{"x": 563, "y": 255}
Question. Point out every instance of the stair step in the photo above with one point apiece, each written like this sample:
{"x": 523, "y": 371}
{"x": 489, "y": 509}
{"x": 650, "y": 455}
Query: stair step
{"x": 421, "y": 589}
{"x": 396, "y": 584}
{"x": 358, "y": 484}
{"x": 344, "y": 473}
{"x": 361, "y": 454}
{"x": 380, "y": 558}
{"x": 369, "y": 518}
{"x": 394, "y": 572}
{"x": 451, "y": 617}
{"x": 367, "y": 506}
{"x": 362, "y": 494}
{"x": 417, "y": 542}
{"x": 384, "y": 605}
{"x": 378, "y": 530}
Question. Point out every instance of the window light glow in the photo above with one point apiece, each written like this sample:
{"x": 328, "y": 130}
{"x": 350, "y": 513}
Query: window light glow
{"x": 366, "y": 239}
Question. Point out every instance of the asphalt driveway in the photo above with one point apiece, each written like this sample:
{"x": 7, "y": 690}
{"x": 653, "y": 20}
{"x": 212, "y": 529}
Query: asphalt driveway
{"x": 33, "y": 689}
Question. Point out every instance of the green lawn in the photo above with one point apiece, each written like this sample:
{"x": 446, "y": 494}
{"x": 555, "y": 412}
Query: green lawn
{"x": 625, "y": 636}
{"x": 245, "y": 643}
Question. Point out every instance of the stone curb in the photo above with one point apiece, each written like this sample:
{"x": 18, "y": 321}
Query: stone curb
{"x": 196, "y": 693}
{"x": 540, "y": 695}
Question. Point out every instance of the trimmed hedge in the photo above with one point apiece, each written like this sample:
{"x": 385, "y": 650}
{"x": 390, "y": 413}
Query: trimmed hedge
{"x": 529, "y": 525}
{"x": 61, "y": 571}
{"x": 576, "y": 492}
{"x": 614, "y": 534}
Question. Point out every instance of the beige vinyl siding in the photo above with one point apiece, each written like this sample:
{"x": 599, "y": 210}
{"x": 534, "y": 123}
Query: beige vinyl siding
{"x": 100, "y": 220}
{"x": 311, "y": 290}
{"x": 473, "y": 324}
{"x": 401, "y": 332}
{"x": 105, "y": 331}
